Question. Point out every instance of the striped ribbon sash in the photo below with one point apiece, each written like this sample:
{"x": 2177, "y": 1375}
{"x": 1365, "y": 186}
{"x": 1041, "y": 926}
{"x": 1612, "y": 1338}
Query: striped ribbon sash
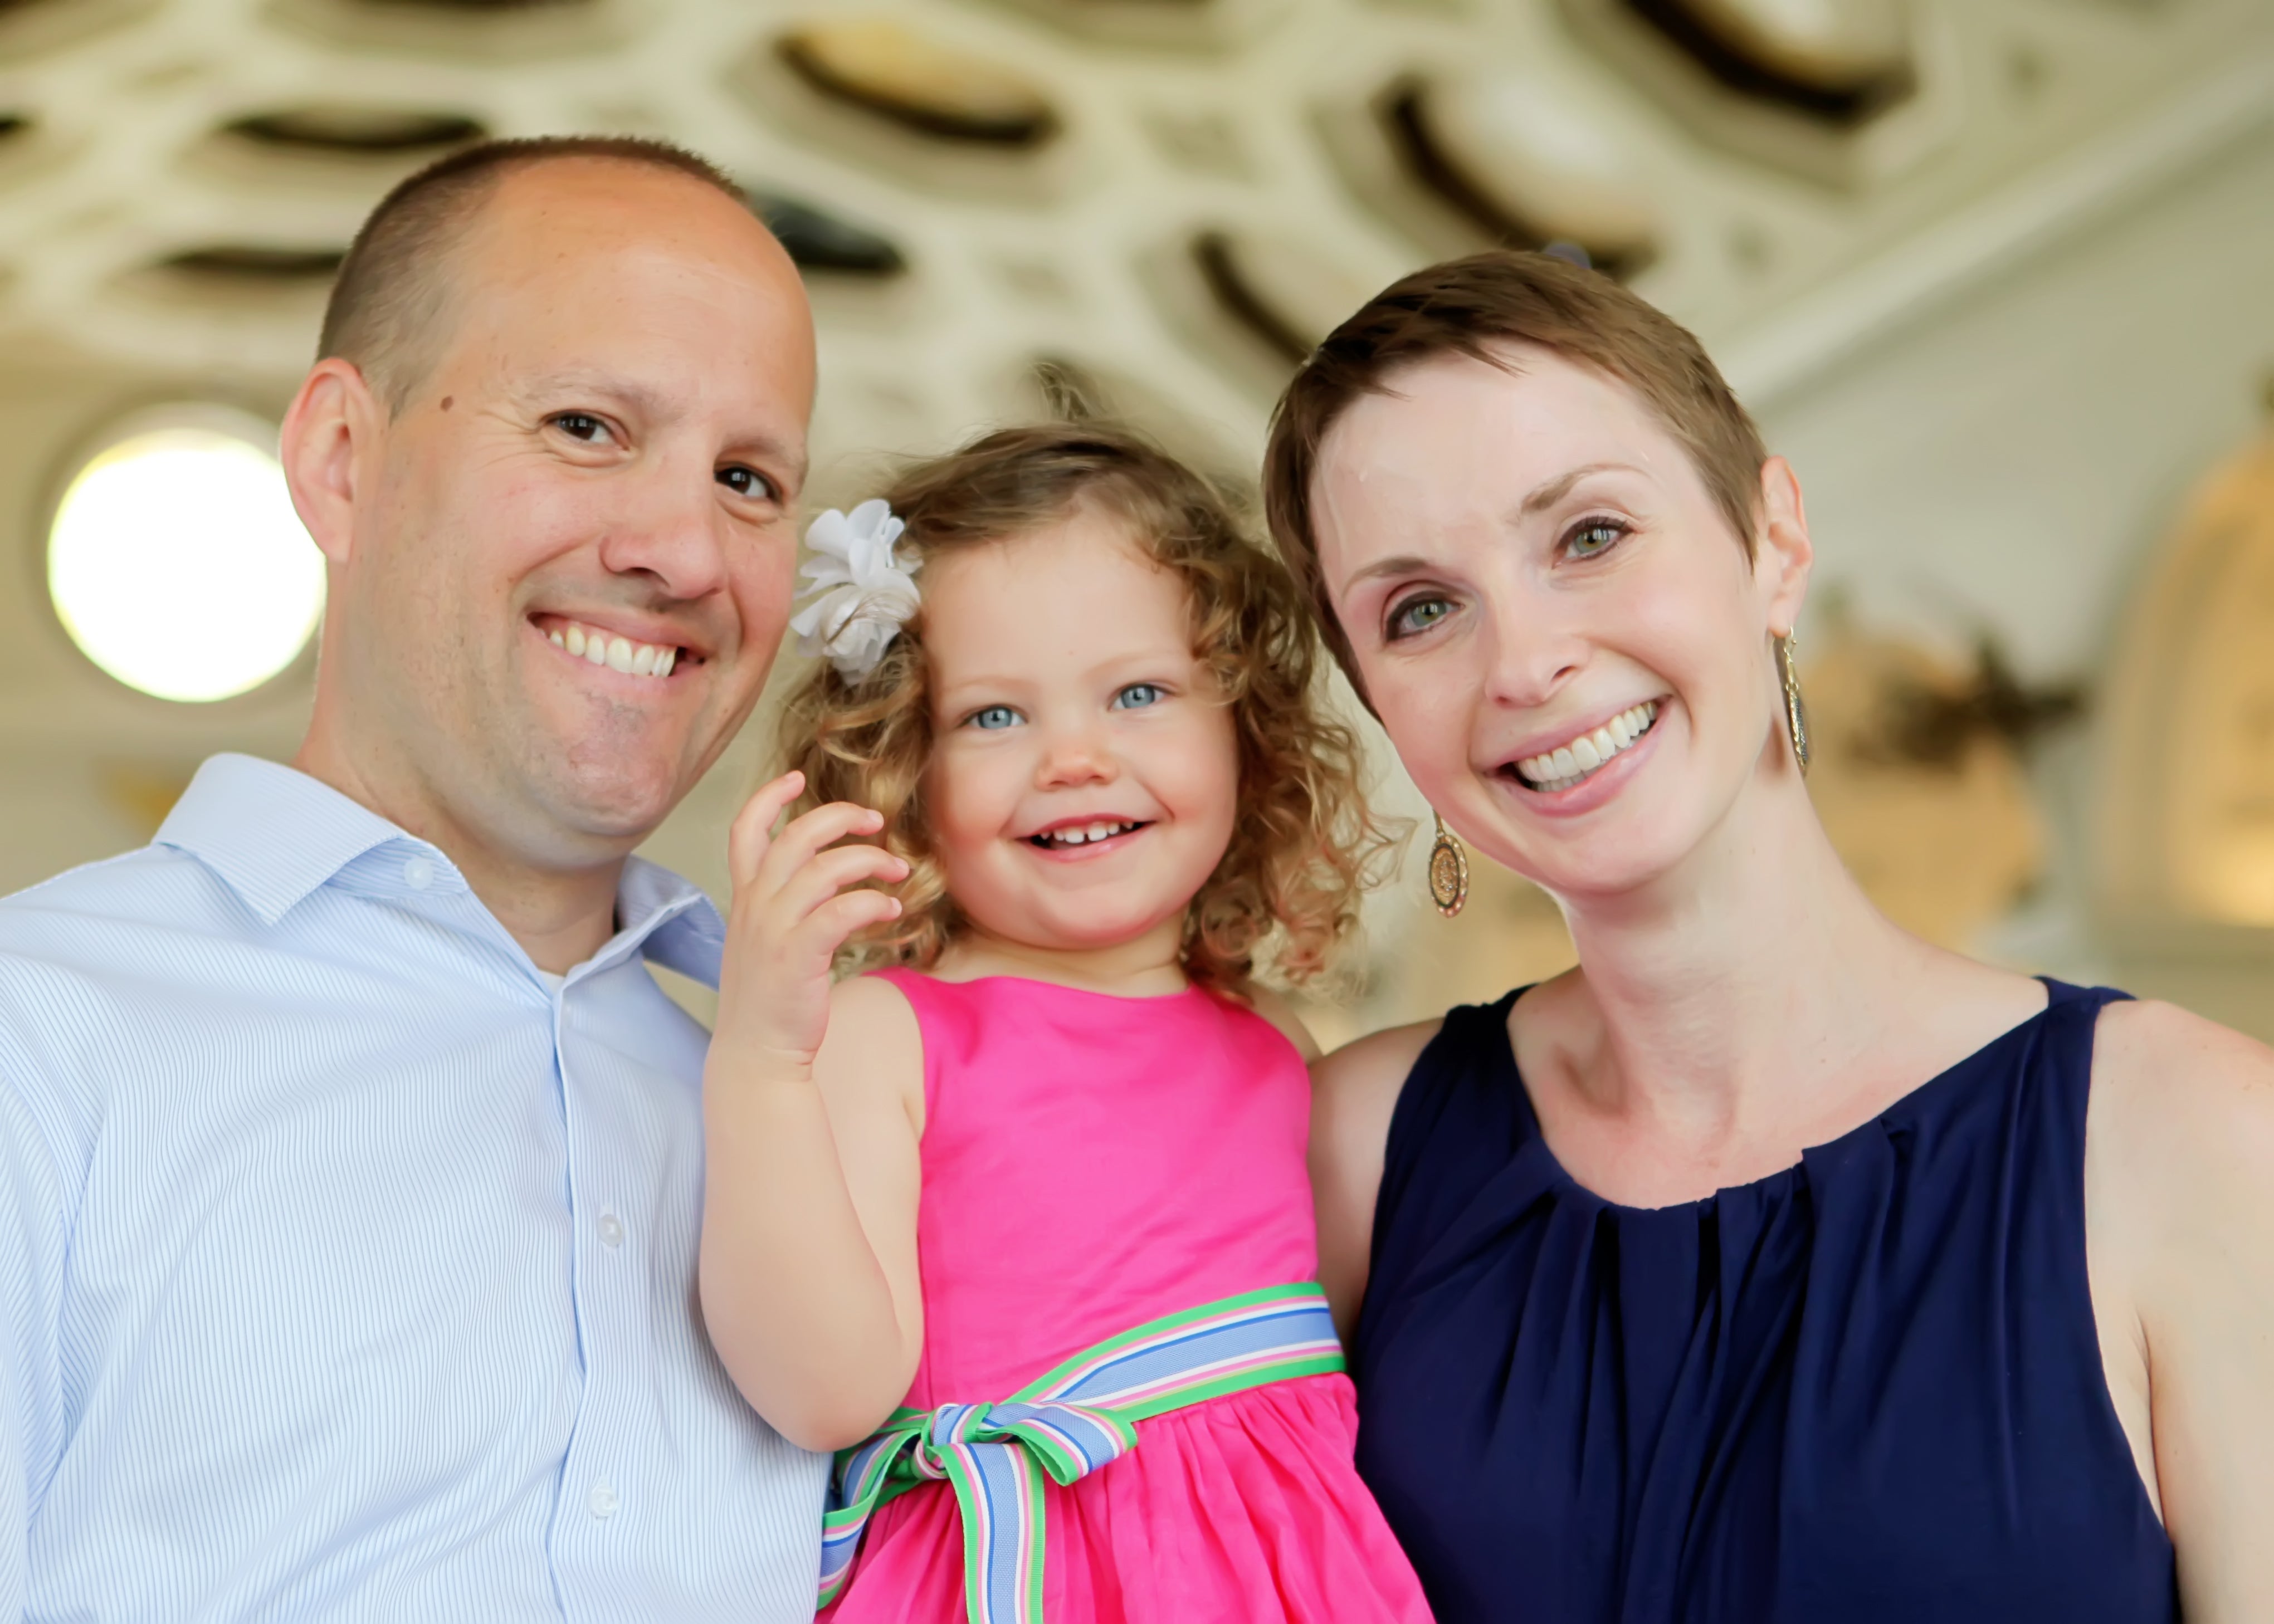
{"x": 1071, "y": 1422}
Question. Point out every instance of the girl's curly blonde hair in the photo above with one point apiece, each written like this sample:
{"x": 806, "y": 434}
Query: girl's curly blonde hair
{"x": 1304, "y": 846}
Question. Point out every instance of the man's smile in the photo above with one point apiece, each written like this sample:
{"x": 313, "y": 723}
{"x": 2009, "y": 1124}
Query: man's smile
{"x": 597, "y": 646}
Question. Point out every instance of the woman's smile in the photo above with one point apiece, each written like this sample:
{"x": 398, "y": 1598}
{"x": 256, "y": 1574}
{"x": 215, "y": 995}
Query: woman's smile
{"x": 1586, "y": 752}
{"x": 1572, "y": 796}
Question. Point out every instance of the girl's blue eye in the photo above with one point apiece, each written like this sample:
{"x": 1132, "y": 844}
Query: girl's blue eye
{"x": 1137, "y": 695}
{"x": 1416, "y": 615}
{"x": 995, "y": 717}
{"x": 1595, "y": 538}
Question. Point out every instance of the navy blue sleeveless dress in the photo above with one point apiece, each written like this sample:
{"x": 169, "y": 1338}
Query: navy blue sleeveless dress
{"x": 1866, "y": 1390}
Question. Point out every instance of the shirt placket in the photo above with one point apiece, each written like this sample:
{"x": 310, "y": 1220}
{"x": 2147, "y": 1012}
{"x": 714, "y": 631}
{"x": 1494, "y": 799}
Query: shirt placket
{"x": 588, "y": 1517}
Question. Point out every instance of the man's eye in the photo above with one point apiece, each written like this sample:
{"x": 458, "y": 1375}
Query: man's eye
{"x": 749, "y": 482}
{"x": 581, "y": 425}
{"x": 994, "y": 718}
{"x": 1137, "y": 695}
{"x": 1416, "y": 615}
{"x": 1593, "y": 537}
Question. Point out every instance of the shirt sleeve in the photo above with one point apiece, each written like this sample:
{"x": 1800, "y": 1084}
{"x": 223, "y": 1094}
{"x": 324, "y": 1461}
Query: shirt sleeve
{"x": 33, "y": 1239}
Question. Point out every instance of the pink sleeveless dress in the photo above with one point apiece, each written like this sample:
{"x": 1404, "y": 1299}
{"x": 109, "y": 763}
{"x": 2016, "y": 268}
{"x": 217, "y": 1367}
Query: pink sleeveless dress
{"x": 1090, "y": 1164}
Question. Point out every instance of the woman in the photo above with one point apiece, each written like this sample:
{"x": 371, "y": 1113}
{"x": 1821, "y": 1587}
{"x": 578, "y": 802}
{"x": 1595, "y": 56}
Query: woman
{"x": 1772, "y": 1264}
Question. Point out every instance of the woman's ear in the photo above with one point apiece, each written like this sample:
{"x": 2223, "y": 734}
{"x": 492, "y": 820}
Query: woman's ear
{"x": 1783, "y": 554}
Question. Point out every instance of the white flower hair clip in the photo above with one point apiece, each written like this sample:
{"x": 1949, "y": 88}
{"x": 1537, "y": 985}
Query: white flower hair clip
{"x": 867, "y": 594}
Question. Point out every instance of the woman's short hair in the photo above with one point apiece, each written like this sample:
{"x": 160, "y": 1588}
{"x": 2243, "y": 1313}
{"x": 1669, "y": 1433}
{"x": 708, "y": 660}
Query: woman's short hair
{"x": 1481, "y": 306}
{"x": 1303, "y": 847}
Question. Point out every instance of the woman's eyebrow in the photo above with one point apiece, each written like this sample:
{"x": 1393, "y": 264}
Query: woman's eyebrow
{"x": 1403, "y": 564}
{"x": 1545, "y": 496}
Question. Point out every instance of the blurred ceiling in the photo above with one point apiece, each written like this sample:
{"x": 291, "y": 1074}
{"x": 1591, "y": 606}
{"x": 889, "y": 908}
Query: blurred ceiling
{"x": 1994, "y": 271}
{"x": 1167, "y": 196}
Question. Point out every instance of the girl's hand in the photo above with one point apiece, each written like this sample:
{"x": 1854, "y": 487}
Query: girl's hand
{"x": 791, "y": 912}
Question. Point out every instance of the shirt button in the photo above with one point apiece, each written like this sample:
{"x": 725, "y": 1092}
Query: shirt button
{"x": 612, "y": 1230}
{"x": 602, "y": 1499}
{"x": 418, "y": 873}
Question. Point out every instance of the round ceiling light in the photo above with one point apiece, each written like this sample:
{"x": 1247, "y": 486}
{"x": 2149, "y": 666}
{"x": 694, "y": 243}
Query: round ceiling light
{"x": 176, "y": 562}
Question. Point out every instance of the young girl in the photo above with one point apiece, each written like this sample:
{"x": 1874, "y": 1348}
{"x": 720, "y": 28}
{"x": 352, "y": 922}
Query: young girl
{"x": 1026, "y": 1207}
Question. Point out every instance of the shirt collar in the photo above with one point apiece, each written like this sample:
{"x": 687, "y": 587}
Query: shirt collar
{"x": 274, "y": 835}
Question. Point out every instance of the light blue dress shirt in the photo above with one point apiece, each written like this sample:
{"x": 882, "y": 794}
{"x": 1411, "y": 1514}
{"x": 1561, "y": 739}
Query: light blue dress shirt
{"x": 348, "y": 1266}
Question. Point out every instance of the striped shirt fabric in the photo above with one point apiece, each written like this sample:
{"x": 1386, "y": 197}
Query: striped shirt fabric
{"x": 348, "y": 1263}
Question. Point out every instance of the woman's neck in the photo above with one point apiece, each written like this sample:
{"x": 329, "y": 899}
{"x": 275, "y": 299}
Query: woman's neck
{"x": 1744, "y": 1007}
{"x": 1143, "y": 967}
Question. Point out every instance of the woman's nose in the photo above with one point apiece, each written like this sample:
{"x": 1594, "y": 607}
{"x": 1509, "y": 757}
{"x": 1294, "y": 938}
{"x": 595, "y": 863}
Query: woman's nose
{"x": 1534, "y": 650}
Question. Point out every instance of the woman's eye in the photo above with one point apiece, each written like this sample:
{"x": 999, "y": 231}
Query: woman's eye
{"x": 1137, "y": 695}
{"x": 1416, "y": 615}
{"x": 581, "y": 425}
{"x": 994, "y": 718}
{"x": 1596, "y": 535}
{"x": 749, "y": 482}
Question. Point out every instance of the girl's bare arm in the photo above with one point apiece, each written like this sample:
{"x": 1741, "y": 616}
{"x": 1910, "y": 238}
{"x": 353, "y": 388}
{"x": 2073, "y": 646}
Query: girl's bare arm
{"x": 813, "y": 1111}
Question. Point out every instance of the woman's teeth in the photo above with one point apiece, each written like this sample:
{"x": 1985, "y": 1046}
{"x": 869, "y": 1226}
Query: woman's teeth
{"x": 1567, "y": 764}
{"x": 1083, "y": 834}
{"x": 633, "y": 659}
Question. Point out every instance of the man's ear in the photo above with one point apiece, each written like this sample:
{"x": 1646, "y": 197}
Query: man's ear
{"x": 1782, "y": 552}
{"x": 334, "y": 423}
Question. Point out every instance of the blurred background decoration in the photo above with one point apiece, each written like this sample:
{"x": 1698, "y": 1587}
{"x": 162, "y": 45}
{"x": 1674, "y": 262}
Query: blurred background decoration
{"x": 1997, "y": 274}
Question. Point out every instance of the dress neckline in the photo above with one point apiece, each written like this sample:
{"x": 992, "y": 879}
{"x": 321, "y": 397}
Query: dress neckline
{"x": 1185, "y": 991}
{"x": 1504, "y": 1055}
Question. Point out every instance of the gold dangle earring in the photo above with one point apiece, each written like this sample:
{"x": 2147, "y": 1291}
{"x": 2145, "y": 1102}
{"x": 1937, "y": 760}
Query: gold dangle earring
{"x": 1796, "y": 707}
{"x": 1449, "y": 870}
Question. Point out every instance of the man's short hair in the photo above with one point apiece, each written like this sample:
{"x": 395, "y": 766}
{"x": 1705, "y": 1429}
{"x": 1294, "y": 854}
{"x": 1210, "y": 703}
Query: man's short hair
{"x": 391, "y": 301}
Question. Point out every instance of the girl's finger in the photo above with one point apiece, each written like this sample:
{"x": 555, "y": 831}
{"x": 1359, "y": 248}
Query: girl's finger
{"x": 751, "y": 833}
{"x": 823, "y": 826}
{"x": 835, "y": 921}
{"x": 829, "y": 872}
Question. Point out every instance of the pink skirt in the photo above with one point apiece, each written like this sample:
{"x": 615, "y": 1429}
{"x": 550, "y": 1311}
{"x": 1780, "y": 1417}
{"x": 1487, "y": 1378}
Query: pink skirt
{"x": 1242, "y": 1510}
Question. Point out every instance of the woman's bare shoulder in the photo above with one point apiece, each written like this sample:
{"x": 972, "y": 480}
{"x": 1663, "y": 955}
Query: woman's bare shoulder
{"x": 2180, "y": 1197}
{"x": 1378, "y": 1060}
{"x": 2186, "y": 1106}
{"x": 1277, "y": 1010}
{"x": 2180, "y": 1083}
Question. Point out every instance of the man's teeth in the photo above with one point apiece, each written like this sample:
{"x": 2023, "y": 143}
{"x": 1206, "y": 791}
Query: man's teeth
{"x": 633, "y": 659}
{"x": 1566, "y": 764}
{"x": 1083, "y": 834}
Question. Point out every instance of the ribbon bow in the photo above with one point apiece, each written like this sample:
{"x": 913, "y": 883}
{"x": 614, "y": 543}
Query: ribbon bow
{"x": 1078, "y": 1417}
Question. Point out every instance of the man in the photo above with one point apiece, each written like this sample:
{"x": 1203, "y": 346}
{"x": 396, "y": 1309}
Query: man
{"x": 349, "y": 1156}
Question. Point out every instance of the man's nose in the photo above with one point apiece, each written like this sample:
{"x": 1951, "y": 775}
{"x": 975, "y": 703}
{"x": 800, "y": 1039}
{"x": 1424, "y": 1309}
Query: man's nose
{"x": 670, "y": 530}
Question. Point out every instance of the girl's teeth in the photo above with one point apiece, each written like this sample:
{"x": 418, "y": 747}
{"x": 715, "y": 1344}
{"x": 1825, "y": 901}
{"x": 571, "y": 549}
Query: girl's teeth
{"x": 1567, "y": 764}
{"x": 1083, "y": 835}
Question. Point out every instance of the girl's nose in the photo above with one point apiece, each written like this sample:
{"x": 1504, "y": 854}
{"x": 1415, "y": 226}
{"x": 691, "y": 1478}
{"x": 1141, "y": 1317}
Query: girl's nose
{"x": 1077, "y": 756}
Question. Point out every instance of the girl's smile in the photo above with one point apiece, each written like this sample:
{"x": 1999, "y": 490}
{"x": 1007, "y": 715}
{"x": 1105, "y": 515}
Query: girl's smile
{"x": 1084, "y": 774}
